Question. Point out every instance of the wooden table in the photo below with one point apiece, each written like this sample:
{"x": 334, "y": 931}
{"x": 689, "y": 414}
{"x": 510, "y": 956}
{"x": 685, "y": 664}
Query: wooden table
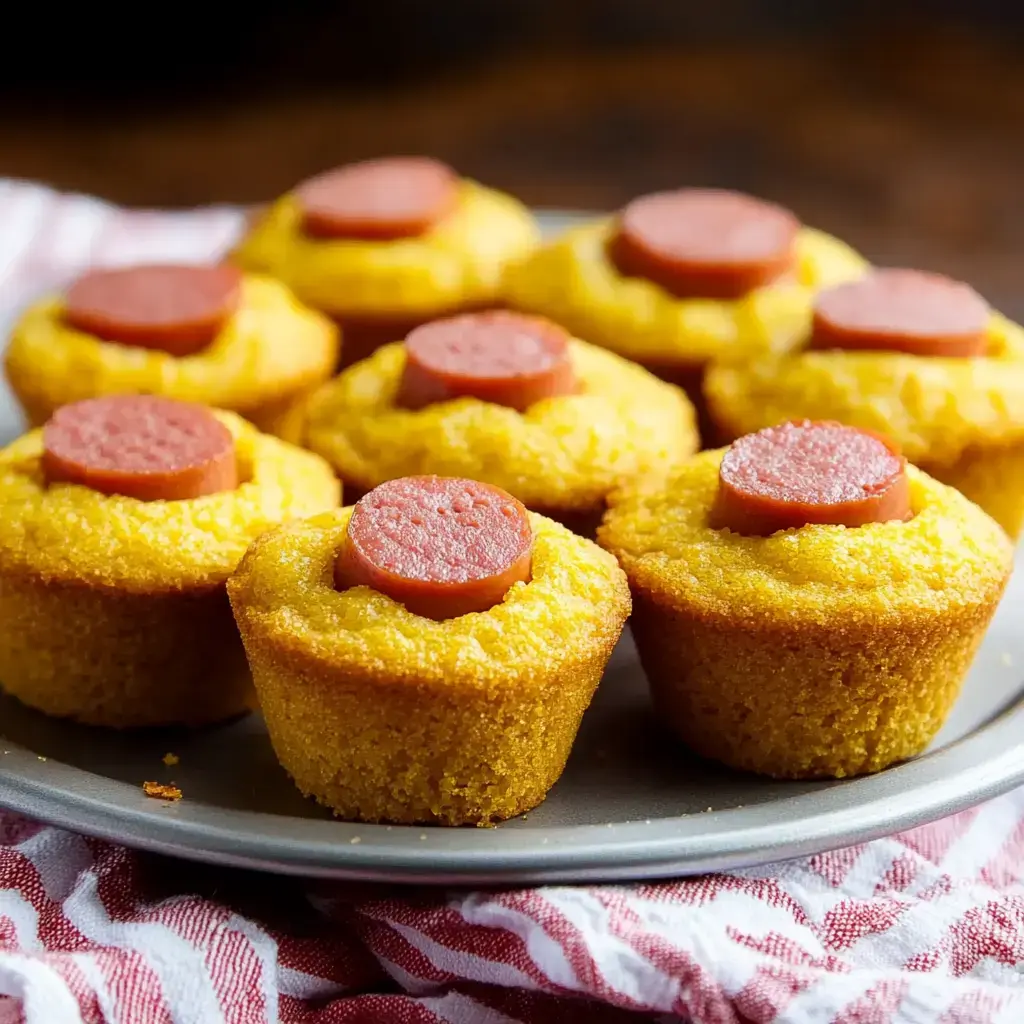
{"x": 911, "y": 149}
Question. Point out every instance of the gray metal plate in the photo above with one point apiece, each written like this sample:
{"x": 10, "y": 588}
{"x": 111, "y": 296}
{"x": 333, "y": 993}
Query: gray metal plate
{"x": 631, "y": 804}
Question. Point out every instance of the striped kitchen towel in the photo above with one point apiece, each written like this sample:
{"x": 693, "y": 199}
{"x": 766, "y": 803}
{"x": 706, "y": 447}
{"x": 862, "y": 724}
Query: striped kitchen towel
{"x": 926, "y": 927}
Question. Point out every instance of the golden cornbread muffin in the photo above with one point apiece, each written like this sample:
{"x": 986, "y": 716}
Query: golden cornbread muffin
{"x": 706, "y": 278}
{"x": 113, "y": 608}
{"x": 462, "y": 711}
{"x": 778, "y": 639}
{"x": 960, "y": 417}
{"x": 558, "y": 438}
{"x": 202, "y": 334}
{"x": 384, "y": 245}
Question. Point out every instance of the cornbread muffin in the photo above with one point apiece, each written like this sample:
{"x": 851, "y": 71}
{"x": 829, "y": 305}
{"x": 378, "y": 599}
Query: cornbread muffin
{"x": 258, "y": 358}
{"x": 559, "y": 455}
{"x": 382, "y": 714}
{"x": 960, "y": 418}
{"x": 579, "y": 281}
{"x": 815, "y": 651}
{"x": 385, "y": 245}
{"x": 113, "y": 609}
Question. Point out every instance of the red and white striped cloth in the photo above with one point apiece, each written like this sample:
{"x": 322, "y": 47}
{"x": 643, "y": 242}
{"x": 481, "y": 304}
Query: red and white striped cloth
{"x": 923, "y": 928}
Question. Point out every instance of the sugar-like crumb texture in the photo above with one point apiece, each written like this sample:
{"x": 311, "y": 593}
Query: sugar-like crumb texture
{"x": 822, "y": 651}
{"x": 573, "y": 281}
{"x": 458, "y": 262}
{"x": 383, "y": 715}
{"x": 562, "y": 453}
{"x": 270, "y": 351}
{"x": 67, "y": 532}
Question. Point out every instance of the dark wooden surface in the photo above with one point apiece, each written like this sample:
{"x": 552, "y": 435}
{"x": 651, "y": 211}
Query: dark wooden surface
{"x": 907, "y": 141}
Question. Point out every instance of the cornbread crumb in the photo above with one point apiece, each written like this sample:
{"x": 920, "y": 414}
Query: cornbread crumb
{"x": 161, "y": 791}
{"x": 170, "y": 760}
{"x": 39, "y": 757}
{"x": 355, "y": 840}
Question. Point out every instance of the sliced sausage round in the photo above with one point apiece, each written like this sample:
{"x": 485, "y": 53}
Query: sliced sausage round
{"x": 705, "y": 243}
{"x": 899, "y": 310}
{"x": 140, "y": 446}
{"x": 500, "y": 357}
{"x": 395, "y": 197}
{"x": 441, "y": 546}
{"x": 175, "y": 308}
{"x": 807, "y": 472}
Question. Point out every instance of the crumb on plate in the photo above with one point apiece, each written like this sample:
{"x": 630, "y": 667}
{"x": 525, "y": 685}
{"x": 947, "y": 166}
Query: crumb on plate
{"x": 161, "y": 791}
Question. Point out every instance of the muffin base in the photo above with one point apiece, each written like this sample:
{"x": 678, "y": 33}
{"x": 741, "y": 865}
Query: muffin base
{"x": 408, "y": 751}
{"x": 804, "y": 702}
{"x": 992, "y": 478}
{"x": 124, "y": 660}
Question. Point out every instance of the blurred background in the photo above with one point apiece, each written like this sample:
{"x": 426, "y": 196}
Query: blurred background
{"x": 896, "y": 125}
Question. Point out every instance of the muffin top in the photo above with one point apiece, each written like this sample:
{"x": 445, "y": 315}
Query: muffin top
{"x": 934, "y": 406}
{"x": 270, "y": 346}
{"x": 455, "y": 262}
{"x": 947, "y": 557}
{"x": 72, "y": 533}
{"x": 576, "y": 599}
{"x": 564, "y": 452}
{"x": 575, "y": 281}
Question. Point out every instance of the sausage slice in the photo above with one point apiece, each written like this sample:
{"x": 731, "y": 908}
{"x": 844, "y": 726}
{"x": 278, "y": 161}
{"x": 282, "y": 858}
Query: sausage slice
{"x": 705, "y": 243}
{"x": 807, "y": 472}
{"x": 140, "y": 446}
{"x": 498, "y": 357}
{"x": 174, "y": 308}
{"x": 395, "y": 197}
{"x": 902, "y": 311}
{"x": 442, "y": 546}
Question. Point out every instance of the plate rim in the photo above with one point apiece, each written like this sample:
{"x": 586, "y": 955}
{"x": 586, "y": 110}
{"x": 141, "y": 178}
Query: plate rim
{"x": 983, "y": 764}
{"x": 936, "y": 784}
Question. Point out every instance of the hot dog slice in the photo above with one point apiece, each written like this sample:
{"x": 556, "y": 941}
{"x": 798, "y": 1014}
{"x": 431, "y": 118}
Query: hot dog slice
{"x": 498, "y": 357}
{"x": 395, "y": 197}
{"x": 800, "y": 473}
{"x": 903, "y": 311}
{"x": 141, "y": 446}
{"x": 442, "y": 546}
{"x": 174, "y": 308}
{"x": 705, "y": 243}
